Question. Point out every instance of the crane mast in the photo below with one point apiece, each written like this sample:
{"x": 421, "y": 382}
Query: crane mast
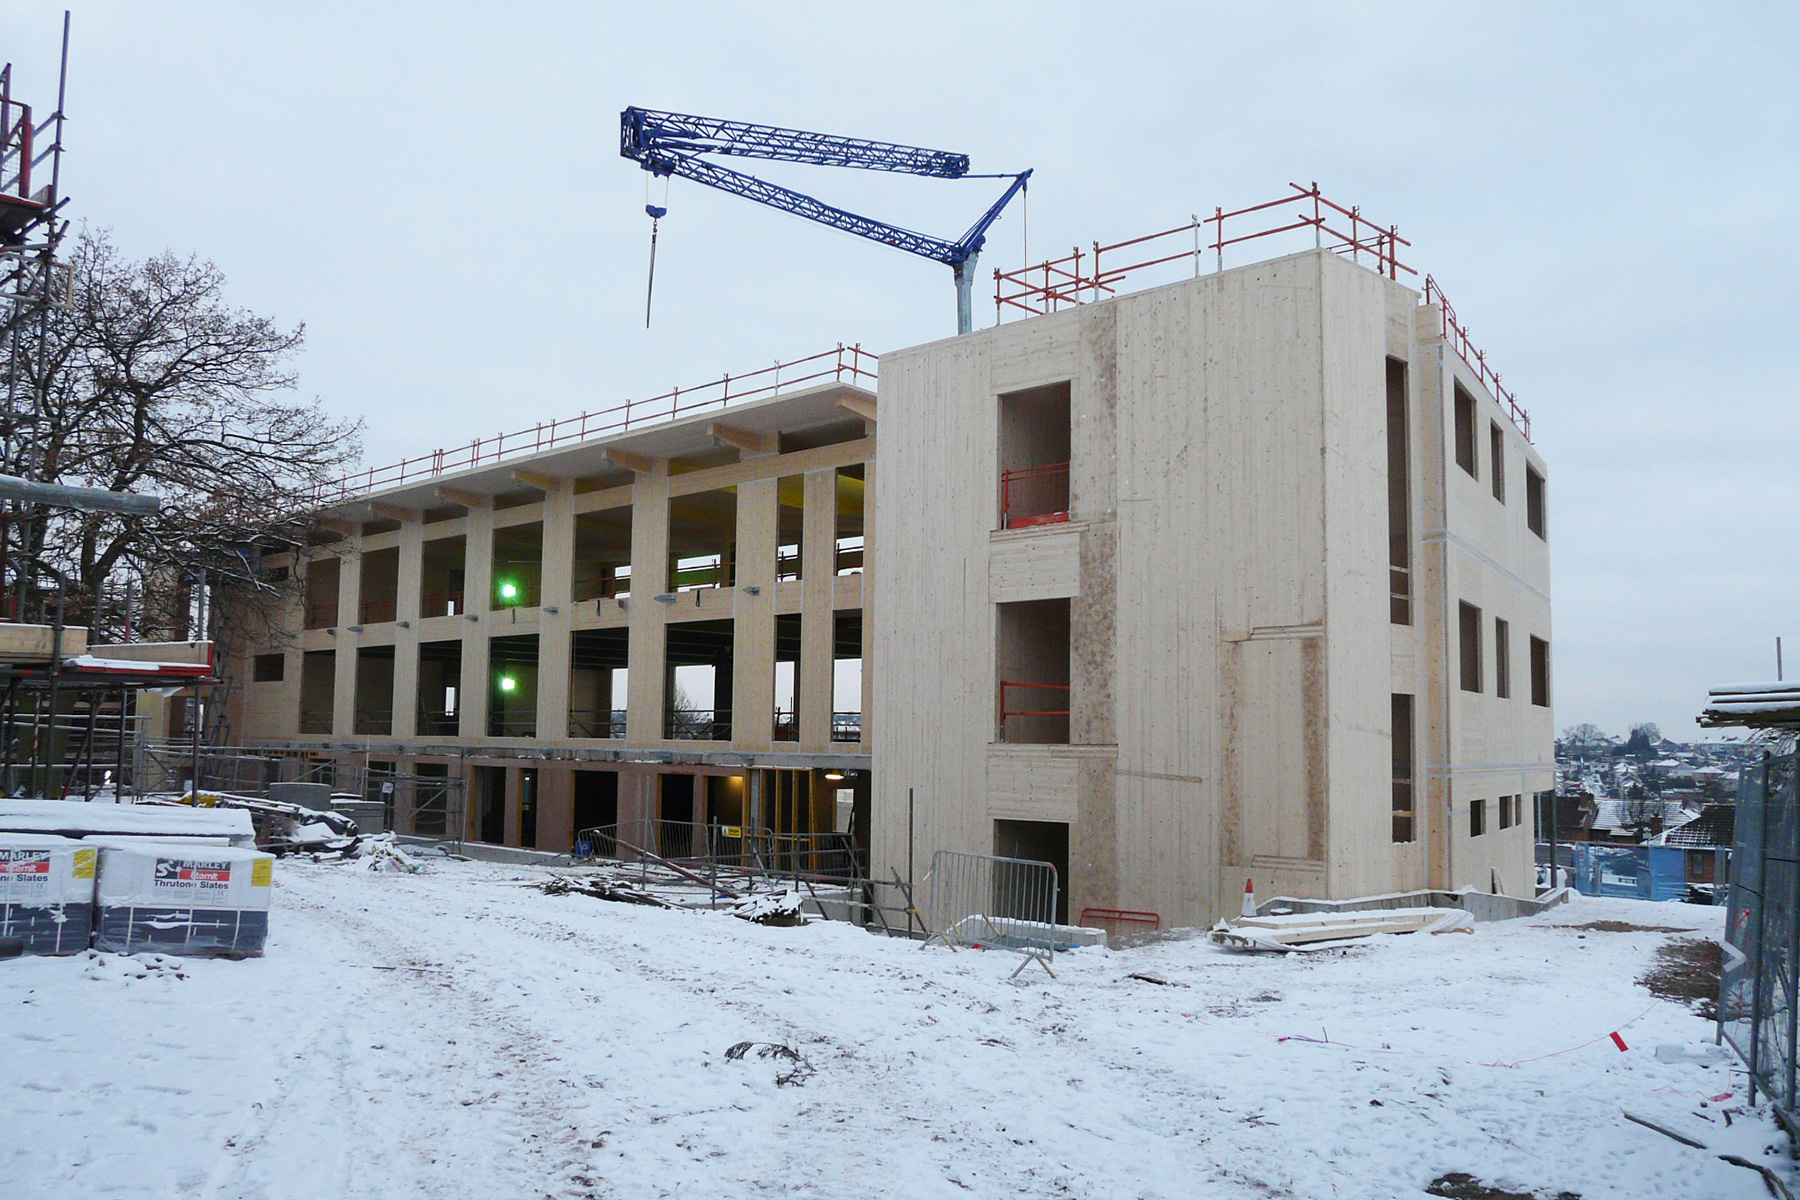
{"x": 670, "y": 144}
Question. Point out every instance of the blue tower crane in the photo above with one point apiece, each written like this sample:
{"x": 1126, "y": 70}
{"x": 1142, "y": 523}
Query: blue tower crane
{"x": 669, "y": 144}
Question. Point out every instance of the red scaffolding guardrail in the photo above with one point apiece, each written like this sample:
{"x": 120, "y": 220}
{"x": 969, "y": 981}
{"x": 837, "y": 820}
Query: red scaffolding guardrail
{"x": 1085, "y": 276}
{"x": 1066, "y": 281}
{"x": 1006, "y": 712}
{"x": 845, "y": 364}
{"x": 1457, "y": 336}
{"x": 1034, "y": 496}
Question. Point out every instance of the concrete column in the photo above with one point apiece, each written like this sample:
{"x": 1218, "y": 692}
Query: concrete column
{"x": 753, "y": 629}
{"x": 818, "y": 558}
{"x": 406, "y": 634}
{"x": 555, "y": 590}
{"x": 556, "y": 809}
{"x": 343, "y": 692}
{"x": 649, "y": 579}
{"x": 478, "y": 587}
{"x": 868, "y": 606}
{"x": 514, "y": 786}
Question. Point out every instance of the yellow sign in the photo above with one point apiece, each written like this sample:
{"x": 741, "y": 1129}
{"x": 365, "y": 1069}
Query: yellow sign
{"x": 84, "y": 862}
{"x": 732, "y": 831}
{"x": 262, "y": 872}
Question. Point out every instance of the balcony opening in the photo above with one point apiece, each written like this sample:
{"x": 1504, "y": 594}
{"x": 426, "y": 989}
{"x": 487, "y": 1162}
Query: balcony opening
{"x": 1399, "y": 479}
{"x": 512, "y": 686}
{"x": 441, "y": 577}
{"x": 440, "y": 685}
{"x": 374, "y": 691}
{"x": 603, "y": 554}
{"x": 846, "y": 676}
{"x": 790, "y": 526}
{"x": 787, "y": 678}
{"x": 1032, "y": 659}
{"x": 518, "y": 566}
{"x": 697, "y": 686}
{"x": 599, "y": 661}
{"x": 1034, "y": 457}
{"x": 322, "y": 593}
{"x": 318, "y": 684}
{"x": 595, "y": 801}
{"x": 703, "y": 540}
{"x": 380, "y": 591}
{"x": 850, "y": 506}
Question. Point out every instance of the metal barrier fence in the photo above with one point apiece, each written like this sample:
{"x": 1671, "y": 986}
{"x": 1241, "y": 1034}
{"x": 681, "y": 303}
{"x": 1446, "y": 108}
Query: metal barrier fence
{"x": 984, "y": 900}
{"x": 1758, "y": 1004}
{"x": 1628, "y": 872}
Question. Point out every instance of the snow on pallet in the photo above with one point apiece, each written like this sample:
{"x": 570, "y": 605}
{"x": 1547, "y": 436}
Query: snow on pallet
{"x": 1292, "y": 931}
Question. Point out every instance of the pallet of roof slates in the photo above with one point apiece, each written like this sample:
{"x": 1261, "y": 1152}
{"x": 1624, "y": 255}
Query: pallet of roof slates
{"x": 210, "y": 901}
{"x": 46, "y": 893}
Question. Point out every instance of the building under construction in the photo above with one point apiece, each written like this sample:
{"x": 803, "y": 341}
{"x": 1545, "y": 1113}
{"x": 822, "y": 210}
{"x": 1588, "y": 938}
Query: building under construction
{"x": 1243, "y": 575}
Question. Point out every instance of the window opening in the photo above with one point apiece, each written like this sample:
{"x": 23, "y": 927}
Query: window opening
{"x": 1399, "y": 497}
{"x": 1502, "y": 659}
{"x": 1465, "y": 431}
{"x": 1403, "y": 767}
{"x": 1470, "y": 645}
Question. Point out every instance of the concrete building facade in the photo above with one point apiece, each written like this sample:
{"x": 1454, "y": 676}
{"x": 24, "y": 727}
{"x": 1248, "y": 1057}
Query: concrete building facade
{"x": 1246, "y": 576}
{"x": 1284, "y": 617}
{"x": 667, "y": 625}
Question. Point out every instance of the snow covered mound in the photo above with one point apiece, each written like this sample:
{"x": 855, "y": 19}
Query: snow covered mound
{"x": 452, "y": 1033}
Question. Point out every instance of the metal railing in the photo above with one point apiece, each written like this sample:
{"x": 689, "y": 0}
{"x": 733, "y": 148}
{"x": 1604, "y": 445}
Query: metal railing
{"x": 1085, "y": 276}
{"x": 846, "y": 727}
{"x": 1034, "y": 496}
{"x": 1759, "y": 995}
{"x": 824, "y": 857}
{"x": 719, "y": 574}
{"x": 1008, "y": 712}
{"x": 596, "y": 722}
{"x": 315, "y": 720}
{"x": 376, "y": 612}
{"x": 523, "y": 725}
{"x": 850, "y": 555}
{"x": 1061, "y": 281}
{"x": 438, "y": 724}
{"x": 697, "y": 724}
{"x": 844, "y": 364}
{"x": 786, "y": 725}
{"x": 1002, "y": 903}
{"x": 373, "y": 722}
{"x": 321, "y": 616}
{"x": 441, "y": 604}
{"x": 1456, "y": 336}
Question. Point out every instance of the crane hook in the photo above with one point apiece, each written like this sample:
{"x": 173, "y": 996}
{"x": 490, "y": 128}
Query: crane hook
{"x": 657, "y": 213}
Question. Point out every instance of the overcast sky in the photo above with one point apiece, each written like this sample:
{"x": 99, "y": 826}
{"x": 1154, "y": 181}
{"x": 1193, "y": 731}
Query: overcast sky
{"x": 1609, "y": 194}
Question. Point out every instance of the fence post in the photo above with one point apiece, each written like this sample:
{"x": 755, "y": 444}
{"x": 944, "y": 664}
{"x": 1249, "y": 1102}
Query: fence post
{"x": 1756, "y": 983}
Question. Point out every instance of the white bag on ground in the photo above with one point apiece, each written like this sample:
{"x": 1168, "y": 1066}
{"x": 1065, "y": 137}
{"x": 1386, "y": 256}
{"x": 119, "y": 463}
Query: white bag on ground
{"x": 46, "y": 892}
{"x": 174, "y": 899}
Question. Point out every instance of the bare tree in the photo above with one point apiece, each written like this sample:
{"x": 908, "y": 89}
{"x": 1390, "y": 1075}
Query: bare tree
{"x": 152, "y": 382}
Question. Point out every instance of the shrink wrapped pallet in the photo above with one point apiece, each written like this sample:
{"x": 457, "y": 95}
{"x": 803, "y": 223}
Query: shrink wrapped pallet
{"x": 46, "y": 893}
{"x": 175, "y": 899}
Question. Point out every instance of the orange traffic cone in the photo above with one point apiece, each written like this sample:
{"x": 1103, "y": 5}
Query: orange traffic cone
{"x": 1249, "y": 899}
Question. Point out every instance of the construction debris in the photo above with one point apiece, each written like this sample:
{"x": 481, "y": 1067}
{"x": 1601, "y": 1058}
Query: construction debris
{"x": 1289, "y": 932}
{"x": 380, "y": 852}
{"x": 798, "y": 1070}
{"x": 780, "y": 909}
{"x": 600, "y": 889}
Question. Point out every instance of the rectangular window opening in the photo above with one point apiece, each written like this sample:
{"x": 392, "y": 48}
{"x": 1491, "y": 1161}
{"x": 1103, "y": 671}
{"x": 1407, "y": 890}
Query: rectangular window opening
{"x": 518, "y": 568}
{"x": 1464, "y": 404}
{"x": 1534, "y": 501}
{"x": 697, "y": 685}
{"x": 847, "y": 676}
{"x": 1032, "y": 658}
{"x": 599, "y": 673}
{"x": 1477, "y": 817}
{"x": 1399, "y": 497}
{"x": 513, "y": 685}
{"x": 602, "y": 555}
{"x": 1034, "y": 444}
{"x": 703, "y": 540}
{"x": 851, "y": 501}
{"x": 1403, "y": 767}
{"x": 1540, "y": 672}
{"x": 1469, "y": 643}
{"x": 1502, "y": 659}
{"x": 440, "y": 675}
{"x": 1497, "y": 460}
{"x": 268, "y": 668}
{"x": 380, "y": 587}
{"x": 787, "y": 677}
{"x": 441, "y": 577}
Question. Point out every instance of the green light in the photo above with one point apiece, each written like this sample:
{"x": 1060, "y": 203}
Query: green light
{"x": 509, "y": 591}
{"x": 508, "y": 683}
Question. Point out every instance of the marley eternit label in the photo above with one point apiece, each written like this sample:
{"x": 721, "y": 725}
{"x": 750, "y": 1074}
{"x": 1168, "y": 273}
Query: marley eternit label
{"x": 193, "y": 876}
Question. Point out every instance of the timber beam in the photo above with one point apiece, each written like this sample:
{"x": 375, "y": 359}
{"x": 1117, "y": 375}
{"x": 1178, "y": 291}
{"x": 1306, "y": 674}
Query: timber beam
{"x": 640, "y": 463}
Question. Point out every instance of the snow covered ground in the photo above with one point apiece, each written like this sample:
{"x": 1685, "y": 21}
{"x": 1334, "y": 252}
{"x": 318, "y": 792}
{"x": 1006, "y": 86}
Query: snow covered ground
{"x": 457, "y": 1034}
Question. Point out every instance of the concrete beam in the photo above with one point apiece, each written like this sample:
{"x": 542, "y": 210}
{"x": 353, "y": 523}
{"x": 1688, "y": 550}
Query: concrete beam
{"x": 393, "y": 512}
{"x": 466, "y": 499}
{"x": 548, "y": 484}
{"x": 743, "y": 439}
{"x": 856, "y": 404}
{"x": 339, "y": 525}
{"x": 639, "y": 463}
